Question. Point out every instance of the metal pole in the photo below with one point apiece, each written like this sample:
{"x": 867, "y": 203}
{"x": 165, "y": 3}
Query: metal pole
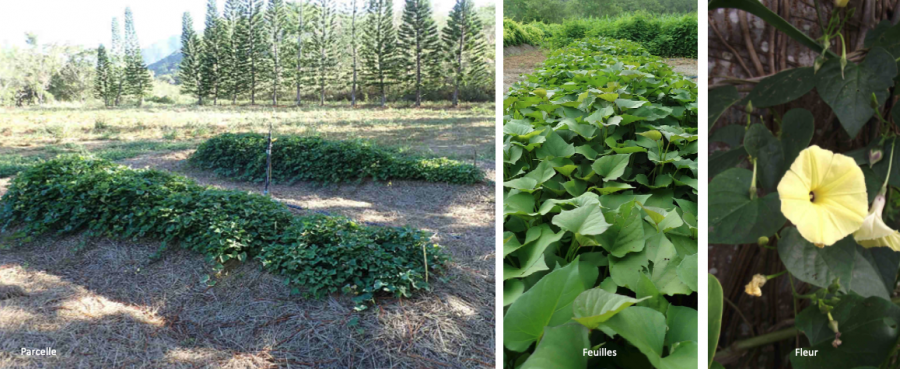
{"x": 269, "y": 158}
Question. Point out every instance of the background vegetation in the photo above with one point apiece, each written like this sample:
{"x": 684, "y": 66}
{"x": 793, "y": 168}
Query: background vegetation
{"x": 664, "y": 35}
{"x": 274, "y": 70}
{"x": 558, "y": 11}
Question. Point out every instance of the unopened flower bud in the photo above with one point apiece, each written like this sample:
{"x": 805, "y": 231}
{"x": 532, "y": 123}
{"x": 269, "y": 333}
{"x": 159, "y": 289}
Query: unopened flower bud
{"x": 875, "y": 155}
{"x": 762, "y": 241}
{"x": 833, "y": 325}
{"x": 749, "y": 107}
{"x": 841, "y": 3}
{"x": 653, "y": 135}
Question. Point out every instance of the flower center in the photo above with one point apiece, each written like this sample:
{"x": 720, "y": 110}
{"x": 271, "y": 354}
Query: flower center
{"x": 812, "y": 196}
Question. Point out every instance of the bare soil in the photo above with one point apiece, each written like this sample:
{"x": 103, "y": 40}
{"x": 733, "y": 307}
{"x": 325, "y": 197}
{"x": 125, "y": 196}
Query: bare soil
{"x": 101, "y": 303}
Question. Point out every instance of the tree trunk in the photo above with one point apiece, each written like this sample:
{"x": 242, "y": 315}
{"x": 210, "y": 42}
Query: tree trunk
{"x": 418, "y": 63}
{"x": 459, "y": 65}
{"x": 299, "y": 52}
{"x": 353, "y": 38}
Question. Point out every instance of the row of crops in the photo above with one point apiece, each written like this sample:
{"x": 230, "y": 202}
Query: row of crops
{"x": 317, "y": 254}
{"x": 600, "y": 212}
{"x": 297, "y": 158}
{"x": 665, "y": 35}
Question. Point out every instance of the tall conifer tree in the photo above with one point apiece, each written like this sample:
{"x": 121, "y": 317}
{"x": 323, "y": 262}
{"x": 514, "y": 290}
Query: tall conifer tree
{"x": 252, "y": 45}
{"x": 323, "y": 42}
{"x": 302, "y": 29}
{"x": 189, "y": 69}
{"x": 276, "y": 20}
{"x": 230, "y": 67}
{"x": 419, "y": 46}
{"x": 378, "y": 50}
{"x": 211, "y": 54}
{"x": 464, "y": 46}
{"x": 116, "y": 63}
{"x": 137, "y": 77}
{"x": 354, "y": 48}
{"x": 103, "y": 86}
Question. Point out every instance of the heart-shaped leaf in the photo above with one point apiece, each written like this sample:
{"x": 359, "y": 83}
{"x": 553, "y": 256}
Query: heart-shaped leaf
{"x": 733, "y": 217}
{"x": 849, "y": 93}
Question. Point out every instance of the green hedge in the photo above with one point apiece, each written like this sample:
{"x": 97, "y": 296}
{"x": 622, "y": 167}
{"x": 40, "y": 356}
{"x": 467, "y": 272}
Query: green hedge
{"x": 324, "y": 254}
{"x": 515, "y": 33}
{"x": 661, "y": 35}
{"x": 294, "y": 158}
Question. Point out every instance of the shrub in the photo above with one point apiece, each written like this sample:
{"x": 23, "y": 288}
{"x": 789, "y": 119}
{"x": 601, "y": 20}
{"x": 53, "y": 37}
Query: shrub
{"x": 294, "y": 158}
{"x": 322, "y": 253}
{"x": 662, "y": 35}
{"x": 515, "y": 33}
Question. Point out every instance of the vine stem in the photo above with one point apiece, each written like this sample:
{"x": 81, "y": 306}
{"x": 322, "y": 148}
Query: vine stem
{"x": 762, "y": 340}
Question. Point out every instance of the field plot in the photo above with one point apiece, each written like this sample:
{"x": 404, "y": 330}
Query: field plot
{"x": 101, "y": 301}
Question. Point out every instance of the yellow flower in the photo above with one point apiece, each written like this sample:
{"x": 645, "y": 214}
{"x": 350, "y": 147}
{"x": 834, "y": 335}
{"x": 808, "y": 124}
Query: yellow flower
{"x": 841, "y": 3}
{"x": 824, "y": 194}
{"x": 874, "y": 233}
{"x": 754, "y": 287}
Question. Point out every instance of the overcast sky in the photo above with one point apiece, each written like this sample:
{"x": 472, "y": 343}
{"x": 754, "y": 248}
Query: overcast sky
{"x": 87, "y": 23}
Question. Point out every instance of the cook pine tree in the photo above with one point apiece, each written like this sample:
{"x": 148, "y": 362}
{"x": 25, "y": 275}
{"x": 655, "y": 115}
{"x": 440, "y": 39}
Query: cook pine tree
{"x": 211, "y": 54}
{"x": 276, "y": 20}
{"x": 419, "y": 46}
{"x": 116, "y": 63}
{"x": 229, "y": 63}
{"x": 378, "y": 49}
{"x": 103, "y": 83}
{"x": 251, "y": 46}
{"x": 464, "y": 46}
{"x": 354, "y": 46}
{"x": 302, "y": 30}
{"x": 189, "y": 70}
{"x": 323, "y": 42}
{"x": 138, "y": 80}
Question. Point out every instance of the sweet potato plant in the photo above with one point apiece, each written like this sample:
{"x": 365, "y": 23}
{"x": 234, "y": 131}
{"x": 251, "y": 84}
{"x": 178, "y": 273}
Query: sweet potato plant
{"x": 600, "y": 212}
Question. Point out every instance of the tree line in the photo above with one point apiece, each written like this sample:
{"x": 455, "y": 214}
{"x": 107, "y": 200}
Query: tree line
{"x": 260, "y": 49}
{"x": 121, "y": 71}
{"x": 41, "y": 72}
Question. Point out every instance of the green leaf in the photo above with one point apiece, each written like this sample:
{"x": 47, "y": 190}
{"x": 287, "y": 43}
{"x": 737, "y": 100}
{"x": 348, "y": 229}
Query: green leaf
{"x": 733, "y": 217}
{"x": 547, "y": 303}
{"x": 687, "y": 271}
{"x": 797, "y": 128}
{"x": 733, "y": 135}
{"x": 758, "y": 9}
{"x": 555, "y": 147}
{"x": 665, "y": 264}
{"x": 762, "y": 145}
{"x": 867, "y": 272}
{"x": 626, "y": 234}
{"x": 512, "y": 290}
{"x": 782, "y": 88}
{"x": 584, "y": 220}
{"x": 644, "y": 328}
{"x": 888, "y": 38}
{"x": 720, "y": 99}
{"x": 629, "y": 104}
{"x": 646, "y": 288}
{"x": 611, "y": 167}
{"x": 850, "y": 96}
{"x": 869, "y": 330}
{"x": 561, "y": 348}
{"x": 626, "y": 271}
{"x": 531, "y": 254}
{"x": 596, "y": 306}
{"x": 714, "y": 315}
{"x": 683, "y": 323}
{"x": 724, "y": 160}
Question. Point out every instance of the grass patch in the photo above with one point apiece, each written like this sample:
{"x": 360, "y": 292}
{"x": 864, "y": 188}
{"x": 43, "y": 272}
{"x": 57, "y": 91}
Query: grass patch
{"x": 12, "y": 163}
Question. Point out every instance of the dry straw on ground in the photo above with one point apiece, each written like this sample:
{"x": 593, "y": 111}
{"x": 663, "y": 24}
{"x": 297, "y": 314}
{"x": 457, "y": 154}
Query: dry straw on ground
{"x": 108, "y": 306}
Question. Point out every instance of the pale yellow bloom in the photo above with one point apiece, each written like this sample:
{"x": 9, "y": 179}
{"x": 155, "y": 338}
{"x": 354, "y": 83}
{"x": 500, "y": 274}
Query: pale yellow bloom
{"x": 824, "y": 194}
{"x": 754, "y": 288}
{"x": 841, "y": 3}
{"x": 874, "y": 233}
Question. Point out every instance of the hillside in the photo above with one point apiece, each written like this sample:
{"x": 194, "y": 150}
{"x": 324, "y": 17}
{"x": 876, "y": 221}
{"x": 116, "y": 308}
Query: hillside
{"x": 167, "y": 66}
